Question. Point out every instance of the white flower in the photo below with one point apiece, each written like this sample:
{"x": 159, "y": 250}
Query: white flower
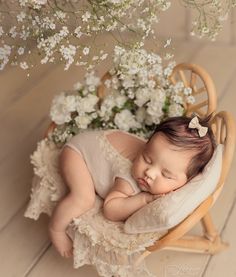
{"x": 78, "y": 32}
{"x": 141, "y": 115}
{"x": 125, "y": 120}
{"x": 87, "y": 104}
{"x": 86, "y": 16}
{"x": 115, "y": 1}
{"x": 167, "y": 43}
{"x": 106, "y": 107}
{"x": 91, "y": 80}
{"x": 24, "y": 65}
{"x": 23, "y": 2}
{"x": 142, "y": 96}
{"x": 151, "y": 84}
{"x": 82, "y": 121}
{"x": 120, "y": 100}
{"x": 78, "y": 86}
{"x": 155, "y": 105}
{"x": 60, "y": 14}
{"x": 107, "y": 83}
{"x": 62, "y": 106}
{"x": 64, "y": 32}
{"x": 168, "y": 56}
{"x": 5, "y": 52}
{"x": 20, "y": 17}
{"x": 13, "y": 32}
{"x": 190, "y": 99}
{"x": 175, "y": 110}
{"x": 21, "y": 50}
{"x": 86, "y": 51}
{"x": 104, "y": 56}
{"x": 167, "y": 71}
{"x": 68, "y": 54}
{"x": 177, "y": 99}
{"x": 178, "y": 87}
{"x": 38, "y": 2}
{"x": 128, "y": 82}
{"x": 187, "y": 91}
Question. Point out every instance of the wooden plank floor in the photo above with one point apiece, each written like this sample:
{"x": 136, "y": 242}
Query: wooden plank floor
{"x": 25, "y": 249}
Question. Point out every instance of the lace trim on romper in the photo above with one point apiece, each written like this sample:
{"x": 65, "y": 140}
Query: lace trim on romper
{"x": 121, "y": 166}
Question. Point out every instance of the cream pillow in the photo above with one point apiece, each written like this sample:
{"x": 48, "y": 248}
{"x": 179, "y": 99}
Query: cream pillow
{"x": 169, "y": 210}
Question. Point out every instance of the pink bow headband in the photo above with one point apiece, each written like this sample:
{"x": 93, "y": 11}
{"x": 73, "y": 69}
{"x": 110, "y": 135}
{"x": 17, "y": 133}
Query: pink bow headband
{"x": 194, "y": 124}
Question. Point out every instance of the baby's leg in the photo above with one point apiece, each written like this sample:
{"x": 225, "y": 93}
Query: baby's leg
{"x": 80, "y": 198}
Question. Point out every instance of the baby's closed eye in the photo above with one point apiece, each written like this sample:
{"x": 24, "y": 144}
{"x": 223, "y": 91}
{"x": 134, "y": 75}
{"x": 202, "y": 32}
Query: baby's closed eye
{"x": 147, "y": 159}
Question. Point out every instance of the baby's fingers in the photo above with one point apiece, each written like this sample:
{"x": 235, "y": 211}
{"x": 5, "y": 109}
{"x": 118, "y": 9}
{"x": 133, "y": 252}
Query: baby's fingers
{"x": 155, "y": 196}
{"x": 69, "y": 253}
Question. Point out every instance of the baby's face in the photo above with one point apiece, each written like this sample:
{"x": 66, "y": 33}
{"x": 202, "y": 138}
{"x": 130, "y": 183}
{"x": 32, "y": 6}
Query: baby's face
{"x": 160, "y": 167}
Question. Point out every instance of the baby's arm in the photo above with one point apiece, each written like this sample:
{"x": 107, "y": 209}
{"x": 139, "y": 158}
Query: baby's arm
{"x": 120, "y": 203}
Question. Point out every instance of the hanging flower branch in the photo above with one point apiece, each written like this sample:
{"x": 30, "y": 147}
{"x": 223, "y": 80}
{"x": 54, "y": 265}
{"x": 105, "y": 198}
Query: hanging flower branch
{"x": 68, "y": 30}
{"x": 210, "y": 16}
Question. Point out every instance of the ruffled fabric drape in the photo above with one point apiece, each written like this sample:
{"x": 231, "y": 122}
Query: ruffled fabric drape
{"x": 96, "y": 240}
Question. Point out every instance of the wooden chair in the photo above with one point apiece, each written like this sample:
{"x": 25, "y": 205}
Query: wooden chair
{"x": 224, "y": 129}
{"x": 223, "y": 126}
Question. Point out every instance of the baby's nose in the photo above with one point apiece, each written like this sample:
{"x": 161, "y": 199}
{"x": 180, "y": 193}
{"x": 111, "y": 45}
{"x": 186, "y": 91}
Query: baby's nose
{"x": 150, "y": 173}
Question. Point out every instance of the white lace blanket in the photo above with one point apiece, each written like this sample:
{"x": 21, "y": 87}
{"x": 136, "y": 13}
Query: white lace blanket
{"x": 97, "y": 241}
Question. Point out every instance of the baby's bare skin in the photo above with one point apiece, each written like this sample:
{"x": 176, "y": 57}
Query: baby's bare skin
{"x": 80, "y": 199}
{"x": 149, "y": 177}
{"x": 62, "y": 243}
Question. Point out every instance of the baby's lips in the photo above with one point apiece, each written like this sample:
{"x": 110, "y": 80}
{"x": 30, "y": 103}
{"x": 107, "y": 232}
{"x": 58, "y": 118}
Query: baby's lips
{"x": 143, "y": 182}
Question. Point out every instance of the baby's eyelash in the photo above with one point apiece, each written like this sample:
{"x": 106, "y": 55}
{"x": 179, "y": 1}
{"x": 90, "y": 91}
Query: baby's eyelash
{"x": 147, "y": 160}
{"x": 166, "y": 176}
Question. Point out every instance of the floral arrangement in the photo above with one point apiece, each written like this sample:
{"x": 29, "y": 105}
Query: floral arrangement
{"x": 69, "y": 31}
{"x": 139, "y": 96}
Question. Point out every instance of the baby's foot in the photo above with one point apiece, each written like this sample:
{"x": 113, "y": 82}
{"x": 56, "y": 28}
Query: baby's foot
{"x": 62, "y": 243}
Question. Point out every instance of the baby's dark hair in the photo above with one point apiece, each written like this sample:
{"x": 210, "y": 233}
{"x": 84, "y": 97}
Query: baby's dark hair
{"x": 178, "y": 133}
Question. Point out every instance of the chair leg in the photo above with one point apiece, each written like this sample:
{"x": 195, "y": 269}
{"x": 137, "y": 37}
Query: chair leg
{"x": 210, "y": 231}
{"x": 210, "y": 242}
{"x": 198, "y": 244}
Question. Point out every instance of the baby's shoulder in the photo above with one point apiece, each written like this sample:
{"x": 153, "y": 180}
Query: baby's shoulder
{"x": 125, "y": 143}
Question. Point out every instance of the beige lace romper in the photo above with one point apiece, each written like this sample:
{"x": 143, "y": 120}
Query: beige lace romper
{"x": 103, "y": 160}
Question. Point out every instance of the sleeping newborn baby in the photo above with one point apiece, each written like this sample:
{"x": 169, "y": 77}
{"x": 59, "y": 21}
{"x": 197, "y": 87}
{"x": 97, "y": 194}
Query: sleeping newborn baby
{"x": 127, "y": 171}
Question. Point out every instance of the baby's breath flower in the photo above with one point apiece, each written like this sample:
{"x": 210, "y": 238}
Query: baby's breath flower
{"x": 125, "y": 120}
{"x": 24, "y": 65}
{"x": 21, "y": 50}
{"x": 78, "y": 32}
{"x": 12, "y": 32}
{"x": 78, "y": 86}
{"x": 86, "y": 16}
{"x": 82, "y": 121}
{"x": 86, "y": 50}
{"x": 137, "y": 99}
{"x": 21, "y": 16}
{"x": 5, "y": 52}
{"x": 53, "y": 26}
